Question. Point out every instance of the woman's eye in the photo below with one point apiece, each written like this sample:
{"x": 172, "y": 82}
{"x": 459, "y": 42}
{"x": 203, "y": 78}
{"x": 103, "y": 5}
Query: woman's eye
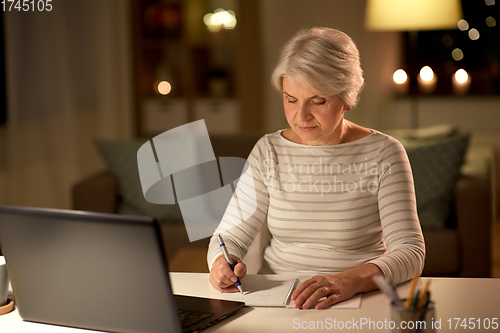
{"x": 318, "y": 102}
{"x": 292, "y": 101}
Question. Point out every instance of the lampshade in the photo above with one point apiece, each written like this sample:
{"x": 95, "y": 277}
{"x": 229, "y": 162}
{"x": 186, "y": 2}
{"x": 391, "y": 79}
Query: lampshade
{"x": 405, "y": 15}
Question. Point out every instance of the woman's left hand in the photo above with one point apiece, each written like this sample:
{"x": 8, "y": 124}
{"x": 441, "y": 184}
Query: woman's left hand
{"x": 336, "y": 288}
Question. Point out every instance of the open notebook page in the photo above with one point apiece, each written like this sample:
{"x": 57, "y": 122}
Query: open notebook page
{"x": 259, "y": 292}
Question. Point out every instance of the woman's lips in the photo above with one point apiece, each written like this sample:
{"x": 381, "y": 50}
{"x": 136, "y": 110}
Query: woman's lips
{"x": 306, "y": 128}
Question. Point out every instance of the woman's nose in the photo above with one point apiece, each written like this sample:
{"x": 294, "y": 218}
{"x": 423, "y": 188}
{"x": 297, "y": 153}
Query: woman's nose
{"x": 303, "y": 113}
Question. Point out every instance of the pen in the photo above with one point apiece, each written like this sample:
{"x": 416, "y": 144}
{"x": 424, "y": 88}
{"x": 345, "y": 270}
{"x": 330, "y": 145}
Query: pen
{"x": 427, "y": 299}
{"x": 388, "y": 289}
{"x": 229, "y": 261}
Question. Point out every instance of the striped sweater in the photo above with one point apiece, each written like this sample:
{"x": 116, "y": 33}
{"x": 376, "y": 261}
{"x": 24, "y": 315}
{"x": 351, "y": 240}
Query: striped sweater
{"x": 328, "y": 208}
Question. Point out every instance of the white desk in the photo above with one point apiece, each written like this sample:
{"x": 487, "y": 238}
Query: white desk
{"x": 454, "y": 298}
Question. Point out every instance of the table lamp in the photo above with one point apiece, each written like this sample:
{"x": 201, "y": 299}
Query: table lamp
{"x": 412, "y": 16}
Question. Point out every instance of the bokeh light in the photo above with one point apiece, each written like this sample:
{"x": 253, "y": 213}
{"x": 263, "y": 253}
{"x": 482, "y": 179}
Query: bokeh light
{"x": 490, "y": 21}
{"x": 400, "y": 76}
{"x": 463, "y": 25}
{"x": 461, "y": 76}
{"x": 426, "y": 73}
{"x": 220, "y": 18}
{"x": 164, "y": 87}
{"x": 473, "y": 34}
{"x": 457, "y": 54}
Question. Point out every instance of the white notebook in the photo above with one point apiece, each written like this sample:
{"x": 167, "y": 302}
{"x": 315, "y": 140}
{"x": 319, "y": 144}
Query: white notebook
{"x": 258, "y": 292}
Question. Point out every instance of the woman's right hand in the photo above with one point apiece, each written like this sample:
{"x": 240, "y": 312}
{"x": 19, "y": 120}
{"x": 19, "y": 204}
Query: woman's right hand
{"x": 223, "y": 278}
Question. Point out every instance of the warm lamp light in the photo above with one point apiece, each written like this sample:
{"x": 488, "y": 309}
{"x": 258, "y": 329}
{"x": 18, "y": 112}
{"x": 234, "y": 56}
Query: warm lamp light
{"x": 401, "y": 79}
{"x": 461, "y": 76}
{"x": 406, "y": 15}
{"x": 400, "y": 76}
{"x": 461, "y": 82}
{"x": 163, "y": 87}
{"x": 220, "y": 18}
{"x": 426, "y": 80}
{"x": 426, "y": 73}
{"x": 412, "y": 16}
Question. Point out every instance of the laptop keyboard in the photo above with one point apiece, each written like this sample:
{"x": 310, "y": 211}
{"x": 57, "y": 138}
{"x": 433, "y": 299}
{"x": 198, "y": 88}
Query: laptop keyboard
{"x": 189, "y": 318}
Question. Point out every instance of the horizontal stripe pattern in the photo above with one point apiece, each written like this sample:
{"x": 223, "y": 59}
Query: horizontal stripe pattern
{"x": 328, "y": 208}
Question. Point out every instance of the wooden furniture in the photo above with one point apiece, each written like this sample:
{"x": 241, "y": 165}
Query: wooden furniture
{"x": 472, "y": 300}
{"x": 212, "y": 75}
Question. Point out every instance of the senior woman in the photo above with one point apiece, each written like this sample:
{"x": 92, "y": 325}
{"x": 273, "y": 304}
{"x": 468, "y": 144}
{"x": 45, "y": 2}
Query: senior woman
{"x": 338, "y": 198}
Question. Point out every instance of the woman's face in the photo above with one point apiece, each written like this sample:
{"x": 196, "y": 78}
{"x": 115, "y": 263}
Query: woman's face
{"x": 315, "y": 120}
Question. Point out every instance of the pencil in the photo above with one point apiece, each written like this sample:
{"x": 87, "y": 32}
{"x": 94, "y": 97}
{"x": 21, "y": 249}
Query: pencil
{"x": 412, "y": 289}
{"x": 422, "y": 296}
{"x": 415, "y": 300}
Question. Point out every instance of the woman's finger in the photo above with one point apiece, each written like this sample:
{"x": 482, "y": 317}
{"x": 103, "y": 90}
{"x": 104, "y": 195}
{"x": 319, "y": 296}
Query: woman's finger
{"x": 217, "y": 278}
{"x": 302, "y": 287}
{"x": 227, "y": 276}
{"x": 314, "y": 298}
{"x": 329, "y": 301}
{"x": 222, "y": 287}
{"x": 305, "y": 294}
{"x": 240, "y": 270}
{"x": 221, "y": 274}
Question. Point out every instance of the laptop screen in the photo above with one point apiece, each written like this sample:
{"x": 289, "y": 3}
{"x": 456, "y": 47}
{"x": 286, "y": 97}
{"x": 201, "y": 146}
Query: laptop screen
{"x": 72, "y": 268}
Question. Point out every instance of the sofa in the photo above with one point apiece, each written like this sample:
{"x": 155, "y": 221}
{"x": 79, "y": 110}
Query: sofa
{"x": 461, "y": 248}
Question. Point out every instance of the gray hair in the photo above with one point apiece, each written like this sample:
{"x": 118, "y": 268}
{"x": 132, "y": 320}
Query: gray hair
{"x": 325, "y": 59}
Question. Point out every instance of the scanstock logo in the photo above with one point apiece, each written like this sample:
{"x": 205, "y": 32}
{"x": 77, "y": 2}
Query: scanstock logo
{"x": 179, "y": 167}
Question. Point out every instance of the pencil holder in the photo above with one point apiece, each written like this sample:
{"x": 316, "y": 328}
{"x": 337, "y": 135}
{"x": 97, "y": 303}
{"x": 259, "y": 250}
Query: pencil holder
{"x": 413, "y": 320}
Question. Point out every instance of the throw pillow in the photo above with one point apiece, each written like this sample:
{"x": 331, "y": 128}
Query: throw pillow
{"x": 436, "y": 166}
{"x": 121, "y": 160}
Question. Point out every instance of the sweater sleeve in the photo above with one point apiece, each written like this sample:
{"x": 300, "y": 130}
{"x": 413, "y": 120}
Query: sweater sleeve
{"x": 247, "y": 210}
{"x": 398, "y": 215}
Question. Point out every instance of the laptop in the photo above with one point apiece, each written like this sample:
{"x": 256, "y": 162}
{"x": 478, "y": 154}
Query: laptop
{"x": 97, "y": 271}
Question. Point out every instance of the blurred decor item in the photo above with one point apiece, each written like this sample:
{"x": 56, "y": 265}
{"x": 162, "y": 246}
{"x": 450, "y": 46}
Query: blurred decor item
{"x": 178, "y": 62}
{"x": 163, "y": 19}
{"x": 473, "y": 46}
{"x": 165, "y": 78}
{"x": 401, "y": 79}
{"x": 412, "y": 16}
{"x": 407, "y": 15}
{"x": 164, "y": 87}
{"x": 461, "y": 82}
{"x": 219, "y": 19}
{"x": 164, "y": 113}
{"x": 218, "y": 83}
{"x": 221, "y": 115}
{"x": 427, "y": 80}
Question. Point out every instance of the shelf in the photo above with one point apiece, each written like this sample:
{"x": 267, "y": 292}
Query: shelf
{"x": 213, "y": 75}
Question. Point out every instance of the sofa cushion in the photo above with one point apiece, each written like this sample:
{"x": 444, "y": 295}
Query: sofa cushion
{"x": 121, "y": 159}
{"x": 436, "y": 166}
